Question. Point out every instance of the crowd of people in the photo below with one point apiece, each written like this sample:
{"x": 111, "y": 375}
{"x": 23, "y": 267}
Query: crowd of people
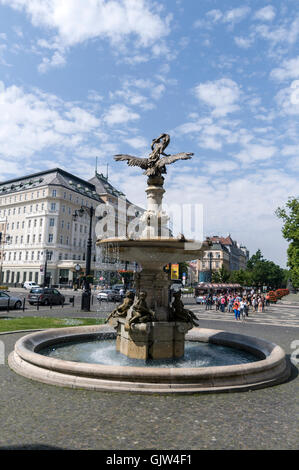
{"x": 238, "y": 303}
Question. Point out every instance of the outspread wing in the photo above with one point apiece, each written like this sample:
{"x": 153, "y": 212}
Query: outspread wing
{"x": 173, "y": 158}
{"x": 132, "y": 161}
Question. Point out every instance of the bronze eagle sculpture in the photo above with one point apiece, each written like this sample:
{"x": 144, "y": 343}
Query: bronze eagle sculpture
{"x": 154, "y": 165}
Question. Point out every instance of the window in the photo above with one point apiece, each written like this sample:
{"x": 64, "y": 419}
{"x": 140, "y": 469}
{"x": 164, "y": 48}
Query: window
{"x": 18, "y": 225}
{"x": 63, "y": 208}
{"x": 33, "y": 240}
{"x": 31, "y": 207}
{"x": 52, "y": 222}
{"x": 16, "y": 242}
{"x": 41, "y": 222}
{"x": 53, "y": 206}
{"x": 75, "y": 242}
{"x": 12, "y": 226}
{"x": 64, "y": 195}
{"x": 23, "y": 224}
{"x": 75, "y": 227}
{"x": 40, "y": 238}
{"x": 35, "y": 222}
{"x": 32, "y": 255}
{"x": 29, "y": 223}
{"x": 54, "y": 193}
{"x": 61, "y": 239}
{"x": 20, "y": 256}
{"x": 62, "y": 224}
{"x": 50, "y": 239}
{"x": 15, "y": 256}
{"x": 22, "y": 238}
{"x": 24, "y": 210}
{"x": 60, "y": 256}
{"x": 26, "y": 255}
{"x": 28, "y": 238}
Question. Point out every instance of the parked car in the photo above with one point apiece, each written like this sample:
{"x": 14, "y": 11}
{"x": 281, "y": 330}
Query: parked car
{"x": 30, "y": 284}
{"x": 13, "y": 301}
{"x": 109, "y": 295}
{"x": 45, "y": 296}
{"x": 199, "y": 299}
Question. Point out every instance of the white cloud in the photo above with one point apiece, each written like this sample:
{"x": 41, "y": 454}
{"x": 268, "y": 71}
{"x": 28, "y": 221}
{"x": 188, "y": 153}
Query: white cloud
{"x": 119, "y": 114}
{"x": 243, "y": 204}
{"x": 57, "y": 60}
{"x": 222, "y": 95}
{"x": 236, "y": 14}
{"x": 286, "y": 33}
{"x": 244, "y": 43}
{"x": 139, "y": 143}
{"x": 288, "y": 99}
{"x": 267, "y": 13}
{"x": 79, "y": 20}
{"x": 288, "y": 70}
{"x": 255, "y": 152}
{"x": 215, "y": 167}
{"x": 31, "y": 122}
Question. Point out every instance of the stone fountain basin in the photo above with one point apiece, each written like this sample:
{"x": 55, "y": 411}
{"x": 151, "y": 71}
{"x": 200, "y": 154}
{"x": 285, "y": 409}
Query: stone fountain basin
{"x": 270, "y": 368}
{"x": 158, "y": 251}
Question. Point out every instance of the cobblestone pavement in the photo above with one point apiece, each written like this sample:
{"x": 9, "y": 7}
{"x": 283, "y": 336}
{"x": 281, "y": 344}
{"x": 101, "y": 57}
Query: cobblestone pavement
{"x": 36, "y": 415}
{"x": 279, "y": 314}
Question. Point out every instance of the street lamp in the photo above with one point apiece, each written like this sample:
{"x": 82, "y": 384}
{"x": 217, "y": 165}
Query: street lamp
{"x": 45, "y": 268}
{"x": 86, "y": 295}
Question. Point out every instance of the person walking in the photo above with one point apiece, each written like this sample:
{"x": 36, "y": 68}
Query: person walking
{"x": 222, "y": 304}
{"x": 230, "y": 303}
{"x": 236, "y": 308}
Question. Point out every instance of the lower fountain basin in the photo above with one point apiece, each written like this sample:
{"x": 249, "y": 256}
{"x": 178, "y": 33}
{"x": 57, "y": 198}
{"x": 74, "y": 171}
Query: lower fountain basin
{"x": 270, "y": 367}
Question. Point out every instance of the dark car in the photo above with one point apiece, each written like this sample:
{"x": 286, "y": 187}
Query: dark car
{"x": 45, "y": 296}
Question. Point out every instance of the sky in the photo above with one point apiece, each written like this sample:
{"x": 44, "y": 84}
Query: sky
{"x": 87, "y": 79}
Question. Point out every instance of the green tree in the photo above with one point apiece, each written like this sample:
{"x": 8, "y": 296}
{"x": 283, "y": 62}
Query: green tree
{"x": 290, "y": 231}
{"x": 221, "y": 276}
{"x": 262, "y": 272}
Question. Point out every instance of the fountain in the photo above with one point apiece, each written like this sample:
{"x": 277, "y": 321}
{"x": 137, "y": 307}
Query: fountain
{"x": 149, "y": 331}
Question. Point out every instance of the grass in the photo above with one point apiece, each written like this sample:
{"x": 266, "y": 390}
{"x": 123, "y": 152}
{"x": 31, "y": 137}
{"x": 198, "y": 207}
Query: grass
{"x": 36, "y": 323}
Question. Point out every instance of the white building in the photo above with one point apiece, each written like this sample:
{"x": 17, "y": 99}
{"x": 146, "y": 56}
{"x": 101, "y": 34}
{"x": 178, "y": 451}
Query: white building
{"x": 37, "y": 220}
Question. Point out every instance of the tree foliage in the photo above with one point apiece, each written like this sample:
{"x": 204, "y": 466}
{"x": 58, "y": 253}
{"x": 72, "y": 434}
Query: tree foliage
{"x": 290, "y": 231}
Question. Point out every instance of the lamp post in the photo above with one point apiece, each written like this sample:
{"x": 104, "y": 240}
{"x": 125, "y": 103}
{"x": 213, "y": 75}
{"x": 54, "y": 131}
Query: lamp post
{"x": 45, "y": 269}
{"x": 86, "y": 295}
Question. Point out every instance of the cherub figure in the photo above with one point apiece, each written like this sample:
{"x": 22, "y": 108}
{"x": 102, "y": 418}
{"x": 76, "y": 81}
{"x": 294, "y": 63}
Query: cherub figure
{"x": 179, "y": 312}
{"x": 122, "y": 309}
{"x": 140, "y": 311}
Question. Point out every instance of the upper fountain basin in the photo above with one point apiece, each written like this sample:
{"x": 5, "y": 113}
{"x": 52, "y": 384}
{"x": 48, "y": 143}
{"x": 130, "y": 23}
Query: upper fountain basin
{"x": 159, "y": 251}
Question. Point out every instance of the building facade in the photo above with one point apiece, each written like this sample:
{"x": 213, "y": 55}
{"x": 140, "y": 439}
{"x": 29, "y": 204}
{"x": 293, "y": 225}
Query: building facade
{"x": 40, "y": 225}
{"x": 223, "y": 253}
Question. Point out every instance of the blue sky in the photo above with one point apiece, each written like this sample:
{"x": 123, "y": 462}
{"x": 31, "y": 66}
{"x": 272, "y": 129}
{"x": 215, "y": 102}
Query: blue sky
{"x": 87, "y": 78}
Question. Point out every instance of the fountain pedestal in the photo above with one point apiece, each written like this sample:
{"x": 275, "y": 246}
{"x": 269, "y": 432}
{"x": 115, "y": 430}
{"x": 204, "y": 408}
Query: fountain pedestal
{"x": 152, "y": 340}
